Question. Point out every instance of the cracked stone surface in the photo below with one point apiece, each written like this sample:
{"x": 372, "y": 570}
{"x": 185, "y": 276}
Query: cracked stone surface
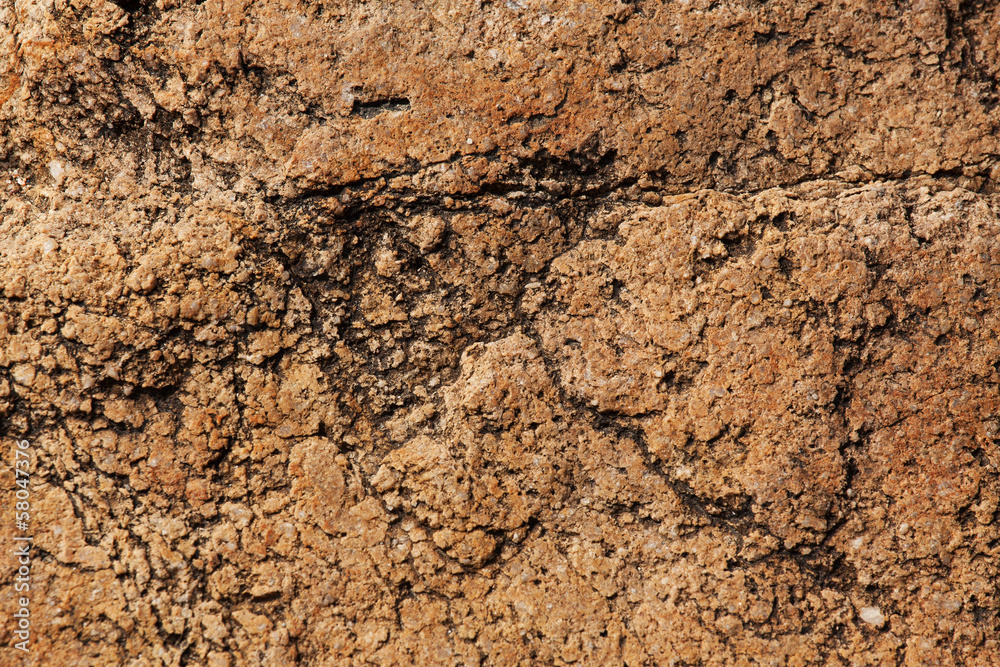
{"x": 434, "y": 333}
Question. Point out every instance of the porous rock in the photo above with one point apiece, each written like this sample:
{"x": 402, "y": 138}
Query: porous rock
{"x": 502, "y": 333}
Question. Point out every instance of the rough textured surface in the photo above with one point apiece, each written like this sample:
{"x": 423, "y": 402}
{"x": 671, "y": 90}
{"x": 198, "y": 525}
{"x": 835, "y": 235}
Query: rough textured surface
{"x": 502, "y": 333}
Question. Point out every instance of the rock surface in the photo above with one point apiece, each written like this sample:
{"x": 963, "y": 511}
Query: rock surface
{"x": 502, "y": 333}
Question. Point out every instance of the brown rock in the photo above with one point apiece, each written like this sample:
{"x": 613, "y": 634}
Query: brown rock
{"x": 502, "y": 333}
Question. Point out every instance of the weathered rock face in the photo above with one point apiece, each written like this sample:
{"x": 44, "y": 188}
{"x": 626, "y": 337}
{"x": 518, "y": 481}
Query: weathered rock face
{"x": 502, "y": 333}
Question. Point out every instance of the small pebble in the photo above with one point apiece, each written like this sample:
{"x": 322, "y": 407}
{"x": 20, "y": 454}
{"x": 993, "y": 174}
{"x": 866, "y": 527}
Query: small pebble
{"x": 872, "y": 616}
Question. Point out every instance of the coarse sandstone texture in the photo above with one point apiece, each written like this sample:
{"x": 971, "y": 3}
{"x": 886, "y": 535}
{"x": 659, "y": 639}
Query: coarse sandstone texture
{"x": 502, "y": 333}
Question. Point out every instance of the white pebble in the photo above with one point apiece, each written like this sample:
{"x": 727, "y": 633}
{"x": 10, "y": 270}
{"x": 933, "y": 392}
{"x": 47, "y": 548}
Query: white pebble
{"x": 56, "y": 169}
{"x": 872, "y": 616}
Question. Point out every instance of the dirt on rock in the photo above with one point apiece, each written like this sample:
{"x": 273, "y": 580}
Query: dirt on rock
{"x": 498, "y": 333}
